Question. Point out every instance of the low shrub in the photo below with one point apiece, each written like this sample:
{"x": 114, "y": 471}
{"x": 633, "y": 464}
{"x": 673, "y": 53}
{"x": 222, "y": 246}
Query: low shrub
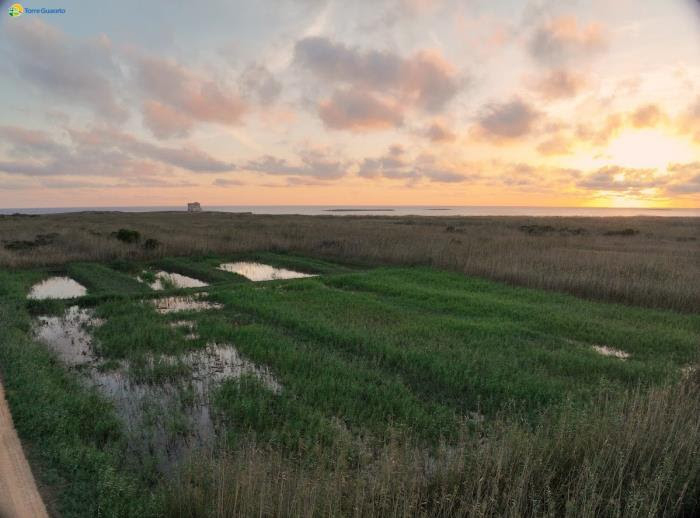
{"x": 126, "y": 235}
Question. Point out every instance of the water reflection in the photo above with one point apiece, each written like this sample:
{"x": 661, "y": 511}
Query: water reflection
{"x": 57, "y": 288}
{"x": 261, "y": 272}
{"x": 189, "y": 303}
{"x": 609, "y": 351}
{"x": 165, "y": 280}
{"x": 163, "y": 420}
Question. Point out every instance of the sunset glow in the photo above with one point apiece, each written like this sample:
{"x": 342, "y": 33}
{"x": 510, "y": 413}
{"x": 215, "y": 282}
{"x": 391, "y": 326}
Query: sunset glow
{"x": 324, "y": 102}
{"x": 649, "y": 148}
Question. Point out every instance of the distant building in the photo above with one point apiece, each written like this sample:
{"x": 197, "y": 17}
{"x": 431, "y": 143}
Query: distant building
{"x": 194, "y": 207}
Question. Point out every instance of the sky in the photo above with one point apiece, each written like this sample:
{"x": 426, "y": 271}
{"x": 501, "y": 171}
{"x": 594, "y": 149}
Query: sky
{"x": 328, "y": 102}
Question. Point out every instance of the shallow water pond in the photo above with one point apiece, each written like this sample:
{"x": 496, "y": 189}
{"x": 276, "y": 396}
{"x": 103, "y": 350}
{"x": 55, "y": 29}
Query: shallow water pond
{"x": 188, "y": 326}
{"x": 176, "y": 280}
{"x": 162, "y": 420}
{"x": 189, "y": 303}
{"x": 261, "y": 272}
{"x": 57, "y": 288}
{"x": 168, "y": 419}
{"x": 610, "y": 351}
{"x": 68, "y": 336}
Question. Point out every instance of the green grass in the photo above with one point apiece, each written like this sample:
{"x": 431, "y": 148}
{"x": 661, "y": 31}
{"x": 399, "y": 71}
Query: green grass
{"x": 133, "y": 328}
{"x": 474, "y": 346}
{"x": 363, "y": 357}
{"x": 102, "y": 280}
{"x": 75, "y": 438}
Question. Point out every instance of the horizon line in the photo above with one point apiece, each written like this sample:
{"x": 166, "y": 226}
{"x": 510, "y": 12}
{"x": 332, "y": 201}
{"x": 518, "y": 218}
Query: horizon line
{"x": 184, "y": 206}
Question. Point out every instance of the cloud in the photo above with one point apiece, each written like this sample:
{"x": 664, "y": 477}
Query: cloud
{"x": 690, "y": 186}
{"x": 444, "y": 175}
{"x": 508, "y": 120}
{"x": 62, "y": 183}
{"x": 165, "y": 122}
{"x": 647, "y": 116}
{"x": 560, "y": 83}
{"x": 387, "y": 166}
{"x": 28, "y": 142}
{"x": 257, "y": 81}
{"x": 555, "y": 145}
{"x": 336, "y": 62}
{"x": 358, "y": 110}
{"x": 227, "y": 182}
{"x": 438, "y": 131}
{"x": 312, "y": 163}
{"x": 600, "y": 134}
{"x": 10, "y": 183}
{"x": 562, "y": 40}
{"x": 176, "y": 93}
{"x": 395, "y": 165}
{"x": 519, "y": 175}
{"x": 377, "y": 82}
{"x": 80, "y": 71}
{"x": 429, "y": 80}
{"x": 26, "y": 168}
{"x": 101, "y": 152}
{"x": 686, "y": 178}
{"x": 621, "y": 179}
{"x": 530, "y": 178}
{"x": 185, "y": 157}
{"x": 690, "y": 120}
{"x": 681, "y": 179}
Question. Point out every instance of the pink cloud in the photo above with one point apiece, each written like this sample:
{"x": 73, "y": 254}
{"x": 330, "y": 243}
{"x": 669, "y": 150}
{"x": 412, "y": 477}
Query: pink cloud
{"x": 164, "y": 121}
{"x": 563, "y": 39}
{"x": 439, "y": 131}
{"x": 186, "y": 96}
{"x": 560, "y": 83}
{"x": 80, "y": 71}
{"x": 647, "y": 116}
{"x": 359, "y": 110}
{"x": 556, "y": 145}
{"x": 374, "y": 88}
{"x": 509, "y": 120}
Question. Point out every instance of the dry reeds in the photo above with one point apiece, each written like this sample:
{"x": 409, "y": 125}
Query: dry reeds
{"x": 657, "y": 265}
{"x": 632, "y": 456}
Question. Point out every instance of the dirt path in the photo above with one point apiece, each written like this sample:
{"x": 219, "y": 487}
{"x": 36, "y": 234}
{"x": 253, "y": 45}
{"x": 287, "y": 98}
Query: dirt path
{"x": 19, "y": 497}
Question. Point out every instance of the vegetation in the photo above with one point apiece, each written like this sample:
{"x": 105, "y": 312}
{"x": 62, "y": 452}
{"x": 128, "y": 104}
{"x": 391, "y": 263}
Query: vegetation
{"x": 74, "y": 435}
{"x": 127, "y": 236}
{"x": 405, "y": 391}
{"x": 101, "y": 280}
{"x": 632, "y": 455}
{"x": 653, "y": 262}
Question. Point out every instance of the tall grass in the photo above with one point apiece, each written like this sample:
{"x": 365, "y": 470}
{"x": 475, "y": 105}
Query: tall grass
{"x": 386, "y": 374}
{"x": 658, "y": 266}
{"x": 636, "y": 455}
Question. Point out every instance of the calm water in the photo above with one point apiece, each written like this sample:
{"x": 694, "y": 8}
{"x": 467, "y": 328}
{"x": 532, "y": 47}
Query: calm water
{"x": 57, "y": 288}
{"x": 261, "y": 272}
{"x": 145, "y": 408}
{"x": 387, "y": 210}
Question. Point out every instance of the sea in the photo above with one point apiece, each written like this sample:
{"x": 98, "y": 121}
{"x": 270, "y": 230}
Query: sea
{"x": 384, "y": 210}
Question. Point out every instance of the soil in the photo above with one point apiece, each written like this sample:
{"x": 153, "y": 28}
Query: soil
{"x": 19, "y": 497}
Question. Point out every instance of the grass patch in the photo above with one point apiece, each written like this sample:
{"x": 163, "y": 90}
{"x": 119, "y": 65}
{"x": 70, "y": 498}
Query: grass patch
{"x": 74, "y": 435}
{"x": 133, "y": 328}
{"x": 403, "y": 391}
{"x": 101, "y": 280}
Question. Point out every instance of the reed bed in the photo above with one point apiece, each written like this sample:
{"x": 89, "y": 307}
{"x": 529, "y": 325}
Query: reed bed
{"x": 653, "y": 262}
{"x": 636, "y": 455}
